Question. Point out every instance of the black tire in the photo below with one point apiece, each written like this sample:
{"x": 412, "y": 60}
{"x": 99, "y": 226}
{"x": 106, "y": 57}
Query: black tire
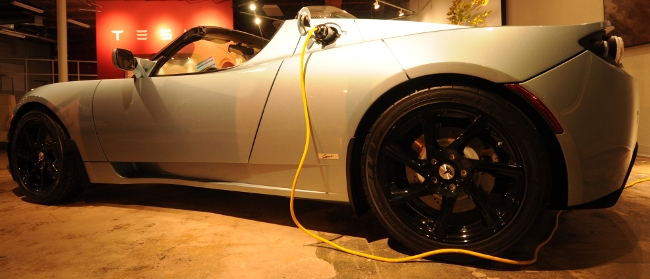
{"x": 481, "y": 185}
{"x": 43, "y": 160}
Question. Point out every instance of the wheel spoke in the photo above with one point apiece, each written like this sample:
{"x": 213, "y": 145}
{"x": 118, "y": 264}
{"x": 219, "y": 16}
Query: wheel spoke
{"x": 22, "y": 153}
{"x": 446, "y": 209}
{"x": 30, "y": 141}
{"x": 498, "y": 168}
{"x": 476, "y": 127}
{"x": 42, "y": 133}
{"x": 31, "y": 175}
{"x": 51, "y": 145}
{"x": 51, "y": 169}
{"x": 27, "y": 175}
{"x": 40, "y": 186}
{"x": 489, "y": 214}
{"x": 397, "y": 153}
{"x": 427, "y": 120}
{"x": 413, "y": 192}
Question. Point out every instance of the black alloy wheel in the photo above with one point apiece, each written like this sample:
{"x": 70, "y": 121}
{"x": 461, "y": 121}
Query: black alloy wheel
{"x": 455, "y": 167}
{"x": 43, "y": 160}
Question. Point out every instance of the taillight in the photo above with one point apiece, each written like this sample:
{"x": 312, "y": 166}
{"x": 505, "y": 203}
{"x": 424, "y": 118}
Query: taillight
{"x": 608, "y": 47}
{"x": 537, "y": 103}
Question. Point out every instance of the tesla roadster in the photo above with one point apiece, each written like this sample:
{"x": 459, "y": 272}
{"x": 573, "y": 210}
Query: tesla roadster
{"x": 455, "y": 137}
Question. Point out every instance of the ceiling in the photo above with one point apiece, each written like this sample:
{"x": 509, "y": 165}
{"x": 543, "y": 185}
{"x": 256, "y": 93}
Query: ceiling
{"x": 35, "y": 25}
{"x": 42, "y": 26}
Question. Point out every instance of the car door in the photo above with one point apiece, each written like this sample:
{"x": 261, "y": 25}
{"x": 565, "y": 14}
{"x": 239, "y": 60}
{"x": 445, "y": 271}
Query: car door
{"x": 193, "y": 115}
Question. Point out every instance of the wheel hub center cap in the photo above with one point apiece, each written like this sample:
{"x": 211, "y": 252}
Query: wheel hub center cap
{"x": 41, "y": 156}
{"x": 446, "y": 171}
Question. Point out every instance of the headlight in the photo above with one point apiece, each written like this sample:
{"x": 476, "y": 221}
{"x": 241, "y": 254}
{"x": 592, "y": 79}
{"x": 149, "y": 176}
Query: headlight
{"x": 608, "y": 47}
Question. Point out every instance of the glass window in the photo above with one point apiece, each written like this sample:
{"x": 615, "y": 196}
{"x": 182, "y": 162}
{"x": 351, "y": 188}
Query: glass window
{"x": 207, "y": 55}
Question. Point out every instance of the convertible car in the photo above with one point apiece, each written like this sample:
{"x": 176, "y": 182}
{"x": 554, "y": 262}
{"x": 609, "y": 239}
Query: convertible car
{"x": 455, "y": 137}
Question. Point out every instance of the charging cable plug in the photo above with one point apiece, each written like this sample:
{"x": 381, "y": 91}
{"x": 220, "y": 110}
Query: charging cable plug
{"x": 326, "y": 35}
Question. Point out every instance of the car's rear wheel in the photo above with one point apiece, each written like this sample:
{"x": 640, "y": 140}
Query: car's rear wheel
{"x": 455, "y": 167}
{"x": 43, "y": 159}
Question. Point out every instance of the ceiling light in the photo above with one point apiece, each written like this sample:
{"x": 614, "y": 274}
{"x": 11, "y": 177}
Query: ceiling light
{"x": 33, "y": 9}
{"x": 257, "y": 20}
{"x": 11, "y": 33}
{"x": 78, "y": 23}
{"x": 402, "y": 10}
{"x": 89, "y": 10}
{"x": 252, "y": 6}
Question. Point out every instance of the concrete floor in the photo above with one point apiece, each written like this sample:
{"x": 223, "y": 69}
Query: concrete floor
{"x": 154, "y": 231}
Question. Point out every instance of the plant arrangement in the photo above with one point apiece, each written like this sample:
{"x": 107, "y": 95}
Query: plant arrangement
{"x": 463, "y": 12}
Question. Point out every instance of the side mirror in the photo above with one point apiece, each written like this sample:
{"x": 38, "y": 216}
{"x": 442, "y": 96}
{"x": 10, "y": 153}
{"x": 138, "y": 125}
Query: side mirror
{"x": 304, "y": 21}
{"x": 124, "y": 59}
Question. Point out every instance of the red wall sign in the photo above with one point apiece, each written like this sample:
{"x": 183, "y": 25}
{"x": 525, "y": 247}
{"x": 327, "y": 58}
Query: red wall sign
{"x": 145, "y": 27}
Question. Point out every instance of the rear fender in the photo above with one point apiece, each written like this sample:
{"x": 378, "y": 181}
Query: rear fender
{"x": 515, "y": 54}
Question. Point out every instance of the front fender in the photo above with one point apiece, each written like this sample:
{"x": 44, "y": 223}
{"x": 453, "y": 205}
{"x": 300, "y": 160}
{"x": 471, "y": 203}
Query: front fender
{"x": 71, "y": 103}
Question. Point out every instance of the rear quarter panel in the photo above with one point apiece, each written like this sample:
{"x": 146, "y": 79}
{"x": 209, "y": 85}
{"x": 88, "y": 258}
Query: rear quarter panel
{"x": 497, "y": 54}
{"x": 597, "y": 106}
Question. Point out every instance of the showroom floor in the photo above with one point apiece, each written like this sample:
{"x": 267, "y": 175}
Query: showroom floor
{"x": 154, "y": 231}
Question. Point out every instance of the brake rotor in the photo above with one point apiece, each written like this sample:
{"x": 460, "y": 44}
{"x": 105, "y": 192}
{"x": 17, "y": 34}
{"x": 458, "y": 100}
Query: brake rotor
{"x": 476, "y": 150}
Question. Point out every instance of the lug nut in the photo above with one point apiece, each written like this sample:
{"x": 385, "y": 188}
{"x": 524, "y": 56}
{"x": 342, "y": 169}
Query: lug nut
{"x": 463, "y": 173}
{"x": 452, "y": 187}
{"x": 434, "y": 161}
{"x": 434, "y": 179}
{"x": 451, "y": 157}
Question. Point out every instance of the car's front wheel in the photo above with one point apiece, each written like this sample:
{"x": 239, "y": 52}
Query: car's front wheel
{"x": 455, "y": 167}
{"x": 43, "y": 159}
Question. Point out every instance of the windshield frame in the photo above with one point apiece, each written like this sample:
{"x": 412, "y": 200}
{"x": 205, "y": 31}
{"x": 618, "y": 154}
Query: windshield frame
{"x": 200, "y": 32}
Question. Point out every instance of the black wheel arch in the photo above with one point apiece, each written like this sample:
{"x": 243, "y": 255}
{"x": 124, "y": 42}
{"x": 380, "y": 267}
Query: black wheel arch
{"x": 24, "y": 109}
{"x": 27, "y": 108}
{"x": 14, "y": 121}
{"x": 559, "y": 191}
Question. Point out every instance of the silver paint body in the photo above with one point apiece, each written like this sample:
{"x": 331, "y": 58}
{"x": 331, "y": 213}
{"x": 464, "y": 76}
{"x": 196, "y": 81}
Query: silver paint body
{"x": 242, "y": 129}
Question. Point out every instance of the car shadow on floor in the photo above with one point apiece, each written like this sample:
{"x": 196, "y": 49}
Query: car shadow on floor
{"x": 584, "y": 239}
{"x": 334, "y": 218}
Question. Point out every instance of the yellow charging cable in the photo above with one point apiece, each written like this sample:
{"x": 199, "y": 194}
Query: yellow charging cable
{"x": 636, "y": 182}
{"x": 391, "y": 260}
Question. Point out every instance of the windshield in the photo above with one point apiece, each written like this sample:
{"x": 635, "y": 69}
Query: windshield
{"x": 207, "y": 49}
{"x": 208, "y": 55}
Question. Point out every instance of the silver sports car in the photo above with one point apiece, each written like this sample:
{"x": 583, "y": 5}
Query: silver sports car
{"x": 455, "y": 137}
